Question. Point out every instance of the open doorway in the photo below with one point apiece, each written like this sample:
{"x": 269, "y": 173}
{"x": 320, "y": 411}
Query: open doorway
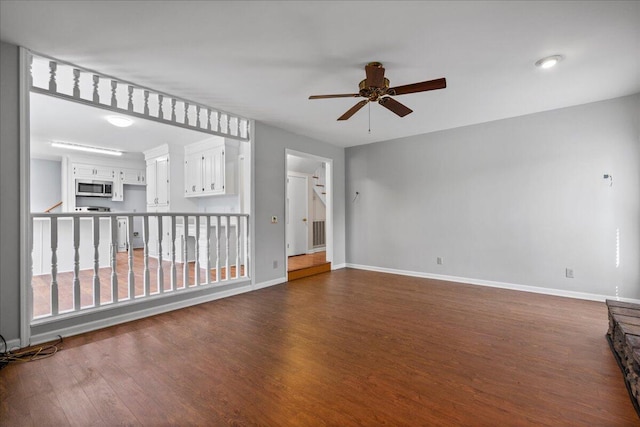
{"x": 308, "y": 214}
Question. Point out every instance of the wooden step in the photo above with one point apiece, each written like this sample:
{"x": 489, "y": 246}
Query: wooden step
{"x": 309, "y": 271}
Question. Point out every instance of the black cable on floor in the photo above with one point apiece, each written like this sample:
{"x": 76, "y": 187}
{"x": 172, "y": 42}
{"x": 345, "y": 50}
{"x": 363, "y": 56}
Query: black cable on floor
{"x": 27, "y": 355}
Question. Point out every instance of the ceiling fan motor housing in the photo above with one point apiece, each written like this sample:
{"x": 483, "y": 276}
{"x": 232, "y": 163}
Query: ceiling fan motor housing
{"x": 373, "y": 93}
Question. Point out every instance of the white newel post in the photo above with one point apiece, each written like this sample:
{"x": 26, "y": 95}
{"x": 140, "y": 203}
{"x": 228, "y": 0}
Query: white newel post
{"x": 96, "y": 261}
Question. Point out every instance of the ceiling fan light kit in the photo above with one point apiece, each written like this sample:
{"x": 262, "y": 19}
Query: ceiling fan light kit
{"x": 375, "y": 88}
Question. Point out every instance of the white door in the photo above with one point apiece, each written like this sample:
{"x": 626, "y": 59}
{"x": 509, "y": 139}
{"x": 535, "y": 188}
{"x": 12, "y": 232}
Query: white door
{"x": 297, "y": 216}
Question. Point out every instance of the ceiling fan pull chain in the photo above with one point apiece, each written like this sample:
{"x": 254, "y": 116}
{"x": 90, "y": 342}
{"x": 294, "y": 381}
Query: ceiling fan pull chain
{"x": 369, "y": 117}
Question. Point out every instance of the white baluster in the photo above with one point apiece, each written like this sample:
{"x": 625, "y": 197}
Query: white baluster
{"x": 174, "y": 284}
{"x": 208, "y": 248}
{"x": 228, "y": 124}
{"x": 186, "y": 113}
{"x": 228, "y": 239}
{"x": 185, "y": 266}
{"x": 146, "y": 102}
{"x": 96, "y": 261}
{"x": 76, "y": 83}
{"x": 76, "y": 263}
{"x": 160, "y": 270}
{"x": 160, "y": 112}
{"x": 114, "y": 252}
{"x": 237, "y": 246}
{"x": 114, "y": 100}
{"x": 132, "y": 276}
{"x": 217, "y": 121}
{"x": 54, "y": 266}
{"x": 217, "y": 248}
{"x": 173, "y": 109}
{"x": 130, "y": 98}
{"x": 247, "y": 249}
{"x": 197, "y": 263}
{"x": 53, "y": 86}
{"x": 198, "y": 116}
{"x": 238, "y": 126}
{"x": 208, "y": 119}
{"x": 96, "y": 95}
{"x": 145, "y": 237}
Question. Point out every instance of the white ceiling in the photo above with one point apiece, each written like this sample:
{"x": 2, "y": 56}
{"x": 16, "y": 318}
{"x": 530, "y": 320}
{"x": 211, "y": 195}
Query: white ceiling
{"x": 263, "y": 59}
{"x": 54, "y": 119}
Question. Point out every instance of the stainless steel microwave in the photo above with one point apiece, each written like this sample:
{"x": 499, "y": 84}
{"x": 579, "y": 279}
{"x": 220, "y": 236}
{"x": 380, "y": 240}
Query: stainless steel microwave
{"x": 91, "y": 188}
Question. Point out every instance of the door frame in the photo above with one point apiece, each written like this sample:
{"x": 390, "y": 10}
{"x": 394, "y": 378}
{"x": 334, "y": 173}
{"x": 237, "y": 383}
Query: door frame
{"x": 329, "y": 205}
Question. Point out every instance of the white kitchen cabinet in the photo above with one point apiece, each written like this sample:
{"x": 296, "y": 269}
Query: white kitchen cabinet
{"x": 85, "y": 170}
{"x": 210, "y": 168}
{"x": 158, "y": 181}
{"x": 132, "y": 176}
{"x": 126, "y": 176}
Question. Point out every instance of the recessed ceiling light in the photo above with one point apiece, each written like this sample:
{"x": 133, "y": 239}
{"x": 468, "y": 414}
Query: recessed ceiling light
{"x": 87, "y": 148}
{"x": 549, "y": 61}
{"x": 120, "y": 121}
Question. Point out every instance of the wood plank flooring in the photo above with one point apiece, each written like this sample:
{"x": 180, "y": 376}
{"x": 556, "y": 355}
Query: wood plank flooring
{"x": 347, "y": 348}
{"x": 41, "y": 284}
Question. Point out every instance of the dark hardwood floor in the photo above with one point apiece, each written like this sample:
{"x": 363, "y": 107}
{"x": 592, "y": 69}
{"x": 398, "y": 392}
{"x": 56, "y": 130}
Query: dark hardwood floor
{"x": 344, "y": 348}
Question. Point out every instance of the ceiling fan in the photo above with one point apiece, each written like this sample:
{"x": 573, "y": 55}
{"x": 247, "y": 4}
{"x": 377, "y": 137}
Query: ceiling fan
{"x": 376, "y": 88}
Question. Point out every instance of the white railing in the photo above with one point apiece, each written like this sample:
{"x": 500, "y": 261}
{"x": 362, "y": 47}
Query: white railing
{"x": 53, "y": 77}
{"x": 83, "y": 261}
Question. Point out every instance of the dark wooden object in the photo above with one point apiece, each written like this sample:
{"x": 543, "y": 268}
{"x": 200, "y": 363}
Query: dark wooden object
{"x": 624, "y": 336}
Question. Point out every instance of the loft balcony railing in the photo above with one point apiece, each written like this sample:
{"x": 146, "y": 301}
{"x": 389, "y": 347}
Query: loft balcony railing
{"x": 61, "y": 79}
{"x": 83, "y": 262}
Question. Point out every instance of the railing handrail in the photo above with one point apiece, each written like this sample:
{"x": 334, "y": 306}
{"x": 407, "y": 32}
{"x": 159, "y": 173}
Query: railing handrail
{"x": 207, "y": 248}
{"x": 139, "y": 214}
{"x": 136, "y": 85}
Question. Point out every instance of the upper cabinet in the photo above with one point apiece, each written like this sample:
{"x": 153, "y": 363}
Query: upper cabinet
{"x": 85, "y": 170}
{"x": 133, "y": 176}
{"x": 210, "y": 168}
{"x": 126, "y": 176}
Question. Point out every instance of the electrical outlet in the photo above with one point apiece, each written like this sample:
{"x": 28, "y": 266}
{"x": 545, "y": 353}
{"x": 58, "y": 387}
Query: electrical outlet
{"x": 569, "y": 273}
{"x": 136, "y": 234}
{"x": 440, "y": 260}
{"x": 275, "y": 264}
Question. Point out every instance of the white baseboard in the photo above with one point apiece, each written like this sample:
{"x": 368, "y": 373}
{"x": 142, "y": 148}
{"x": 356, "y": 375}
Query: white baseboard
{"x": 115, "y": 320}
{"x": 11, "y": 345}
{"x": 338, "y": 266}
{"x": 318, "y": 249}
{"x": 268, "y": 283}
{"x": 492, "y": 284}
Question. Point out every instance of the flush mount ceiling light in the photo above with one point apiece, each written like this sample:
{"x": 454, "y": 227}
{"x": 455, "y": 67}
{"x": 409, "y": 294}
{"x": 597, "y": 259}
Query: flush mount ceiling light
{"x": 548, "y": 61}
{"x": 87, "y": 148}
{"x": 120, "y": 121}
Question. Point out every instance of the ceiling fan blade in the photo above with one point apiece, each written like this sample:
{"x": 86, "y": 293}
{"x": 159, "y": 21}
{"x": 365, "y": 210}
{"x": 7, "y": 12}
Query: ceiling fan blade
{"x": 394, "y": 106}
{"x": 353, "y": 110}
{"x": 344, "y": 95}
{"x": 418, "y": 87}
{"x": 375, "y": 74}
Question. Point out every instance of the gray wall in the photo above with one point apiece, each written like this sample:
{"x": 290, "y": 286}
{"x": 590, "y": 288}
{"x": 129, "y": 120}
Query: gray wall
{"x": 46, "y": 184}
{"x": 514, "y": 201}
{"x": 270, "y": 175}
{"x": 9, "y": 193}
